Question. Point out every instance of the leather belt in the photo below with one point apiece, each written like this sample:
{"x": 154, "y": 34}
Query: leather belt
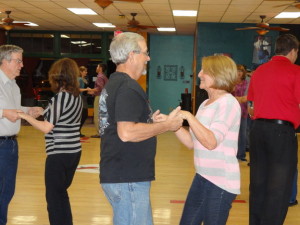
{"x": 8, "y": 137}
{"x": 281, "y": 122}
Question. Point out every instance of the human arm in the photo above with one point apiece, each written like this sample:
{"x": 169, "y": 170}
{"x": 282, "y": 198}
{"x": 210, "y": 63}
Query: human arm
{"x": 43, "y": 126}
{"x": 84, "y": 89}
{"x": 136, "y": 132}
{"x": 250, "y": 108}
{"x": 99, "y": 85}
{"x": 205, "y": 136}
{"x": 241, "y": 99}
{"x": 12, "y": 114}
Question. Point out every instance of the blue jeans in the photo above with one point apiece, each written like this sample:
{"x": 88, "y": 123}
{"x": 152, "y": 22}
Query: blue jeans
{"x": 130, "y": 202}
{"x": 8, "y": 172}
{"x": 241, "y": 154}
{"x": 206, "y": 203}
{"x": 294, "y": 189}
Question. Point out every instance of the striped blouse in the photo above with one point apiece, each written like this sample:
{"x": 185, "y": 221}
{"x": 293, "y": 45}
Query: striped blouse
{"x": 64, "y": 112}
{"x": 220, "y": 165}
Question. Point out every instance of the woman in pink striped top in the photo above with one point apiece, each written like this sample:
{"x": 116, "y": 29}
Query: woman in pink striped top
{"x": 213, "y": 135}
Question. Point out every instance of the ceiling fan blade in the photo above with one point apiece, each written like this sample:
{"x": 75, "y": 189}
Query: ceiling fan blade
{"x": 278, "y": 28}
{"x": 263, "y": 25}
{"x": 248, "y": 28}
{"x": 128, "y": 1}
{"x": 146, "y": 27}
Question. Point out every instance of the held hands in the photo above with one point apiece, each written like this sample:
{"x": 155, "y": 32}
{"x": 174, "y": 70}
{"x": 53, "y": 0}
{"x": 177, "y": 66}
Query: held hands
{"x": 11, "y": 114}
{"x": 35, "y": 111}
{"x": 159, "y": 117}
{"x": 175, "y": 119}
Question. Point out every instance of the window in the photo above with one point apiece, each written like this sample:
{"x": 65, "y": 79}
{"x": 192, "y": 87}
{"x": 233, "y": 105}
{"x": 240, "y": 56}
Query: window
{"x": 34, "y": 42}
{"x": 81, "y": 43}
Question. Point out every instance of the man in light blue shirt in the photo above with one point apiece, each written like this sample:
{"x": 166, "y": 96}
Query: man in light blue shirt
{"x": 10, "y": 104}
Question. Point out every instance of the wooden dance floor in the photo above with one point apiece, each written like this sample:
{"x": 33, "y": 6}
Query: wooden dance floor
{"x": 174, "y": 173}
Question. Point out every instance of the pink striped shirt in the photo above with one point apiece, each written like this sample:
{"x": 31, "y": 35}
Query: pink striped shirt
{"x": 220, "y": 165}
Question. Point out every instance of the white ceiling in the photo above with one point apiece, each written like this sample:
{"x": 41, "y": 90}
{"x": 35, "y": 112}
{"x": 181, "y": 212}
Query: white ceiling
{"x": 53, "y": 14}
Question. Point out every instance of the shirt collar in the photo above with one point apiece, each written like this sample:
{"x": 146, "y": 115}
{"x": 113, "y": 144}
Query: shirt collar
{"x": 3, "y": 77}
{"x": 280, "y": 58}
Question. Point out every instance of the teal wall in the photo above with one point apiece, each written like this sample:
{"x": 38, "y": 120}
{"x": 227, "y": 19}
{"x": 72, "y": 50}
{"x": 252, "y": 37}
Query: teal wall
{"x": 169, "y": 50}
{"x": 223, "y": 38}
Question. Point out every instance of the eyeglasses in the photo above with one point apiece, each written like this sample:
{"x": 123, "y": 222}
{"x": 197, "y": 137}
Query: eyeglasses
{"x": 19, "y": 61}
{"x": 139, "y": 52}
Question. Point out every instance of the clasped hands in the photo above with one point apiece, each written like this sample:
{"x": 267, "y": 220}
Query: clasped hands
{"x": 15, "y": 114}
{"x": 175, "y": 118}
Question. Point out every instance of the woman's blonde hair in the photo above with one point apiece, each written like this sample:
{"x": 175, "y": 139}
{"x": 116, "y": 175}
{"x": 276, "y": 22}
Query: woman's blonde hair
{"x": 223, "y": 71}
{"x": 82, "y": 68}
{"x": 63, "y": 75}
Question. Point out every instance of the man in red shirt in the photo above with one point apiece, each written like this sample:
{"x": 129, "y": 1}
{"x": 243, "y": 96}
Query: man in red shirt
{"x": 274, "y": 93}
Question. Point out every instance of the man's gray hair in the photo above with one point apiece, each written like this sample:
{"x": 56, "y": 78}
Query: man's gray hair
{"x": 123, "y": 44}
{"x": 7, "y": 50}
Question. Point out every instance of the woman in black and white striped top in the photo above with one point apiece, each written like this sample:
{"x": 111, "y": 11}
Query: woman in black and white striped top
{"x": 61, "y": 127}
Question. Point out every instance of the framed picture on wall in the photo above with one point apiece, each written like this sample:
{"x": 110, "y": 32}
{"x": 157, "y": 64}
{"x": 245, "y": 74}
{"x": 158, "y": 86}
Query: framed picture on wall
{"x": 261, "y": 49}
{"x": 170, "y": 72}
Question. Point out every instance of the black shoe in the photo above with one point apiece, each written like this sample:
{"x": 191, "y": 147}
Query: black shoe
{"x": 293, "y": 203}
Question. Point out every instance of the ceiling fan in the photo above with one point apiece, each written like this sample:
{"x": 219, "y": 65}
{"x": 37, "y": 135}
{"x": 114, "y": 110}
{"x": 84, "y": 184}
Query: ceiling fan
{"x": 134, "y": 25}
{"x": 8, "y": 23}
{"x": 295, "y": 4}
{"x": 104, "y": 3}
{"x": 262, "y": 28}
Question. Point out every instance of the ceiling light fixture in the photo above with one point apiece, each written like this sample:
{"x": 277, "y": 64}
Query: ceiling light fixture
{"x": 27, "y": 23}
{"x": 288, "y": 15}
{"x": 191, "y": 13}
{"x": 104, "y": 25}
{"x": 82, "y": 11}
{"x": 169, "y": 29}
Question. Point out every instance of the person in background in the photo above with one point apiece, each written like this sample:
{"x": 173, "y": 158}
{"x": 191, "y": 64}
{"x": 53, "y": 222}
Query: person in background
{"x": 83, "y": 89}
{"x": 240, "y": 93}
{"x": 213, "y": 134}
{"x": 96, "y": 91}
{"x": 128, "y": 142}
{"x": 11, "y": 62}
{"x": 274, "y": 96}
{"x": 61, "y": 126}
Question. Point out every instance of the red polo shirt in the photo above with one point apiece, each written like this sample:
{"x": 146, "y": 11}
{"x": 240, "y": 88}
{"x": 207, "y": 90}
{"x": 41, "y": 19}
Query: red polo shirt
{"x": 275, "y": 90}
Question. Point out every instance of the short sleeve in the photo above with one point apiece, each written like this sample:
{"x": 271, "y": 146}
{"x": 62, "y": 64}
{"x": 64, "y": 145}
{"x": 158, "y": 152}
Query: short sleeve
{"x": 54, "y": 110}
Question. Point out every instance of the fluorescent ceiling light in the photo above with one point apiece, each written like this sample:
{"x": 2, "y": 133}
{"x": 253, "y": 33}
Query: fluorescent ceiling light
{"x": 64, "y": 36}
{"x": 108, "y": 25}
{"x": 82, "y": 11}
{"x": 78, "y": 42}
{"x": 288, "y": 15}
{"x": 170, "y": 29}
{"x": 27, "y": 23}
{"x": 184, "y": 13}
{"x": 87, "y": 44}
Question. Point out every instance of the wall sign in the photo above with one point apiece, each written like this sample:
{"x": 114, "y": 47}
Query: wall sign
{"x": 170, "y": 72}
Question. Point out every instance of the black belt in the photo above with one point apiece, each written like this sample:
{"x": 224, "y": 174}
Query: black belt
{"x": 281, "y": 122}
{"x": 8, "y": 137}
